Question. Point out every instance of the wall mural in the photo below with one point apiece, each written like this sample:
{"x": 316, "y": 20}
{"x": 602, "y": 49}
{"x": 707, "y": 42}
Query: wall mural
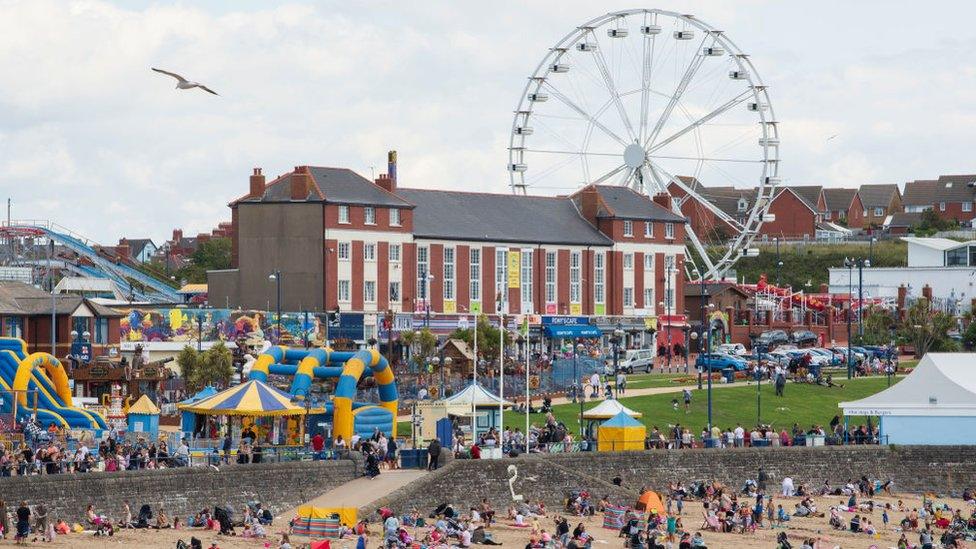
{"x": 181, "y": 324}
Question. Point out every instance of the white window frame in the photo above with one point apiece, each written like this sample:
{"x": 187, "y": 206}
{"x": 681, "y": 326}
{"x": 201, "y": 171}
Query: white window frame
{"x": 628, "y": 227}
{"x": 525, "y": 276}
{"x": 628, "y": 297}
{"x": 575, "y": 277}
{"x": 394, "y": 291}
{"x": 394, "y": 217}
{"x": 369, "y": 215}
{"x": 474, "y": 274}
{"x": 394, "y": 253}
{"x": 450, "y": 258}
{"x": 501, "y": 277}
{"x": 648, "y": 262}
{"x": 369, "y": 251}
{"x": 967, "y": 206}
{"x": 343, "y": 214}
{"x": 648, "y": 229}
{"x": 628, "y": 260}
{"x": 423, "y": 263}
{"x": 669, "y": 231}
{"x": 942, "y": 206}
{"x": 343, "y": 291}
{"x": 369, "y": 291}
{"x": 344, "y": 251}
{"x": 648, "y": 297}
{"x": 551, "y": 261}
{"x": 599, "y": 277}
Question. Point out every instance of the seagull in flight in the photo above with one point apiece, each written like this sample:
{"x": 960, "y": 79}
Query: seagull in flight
{"x": 828, "y": 139}
{"x": 183, "y": 83}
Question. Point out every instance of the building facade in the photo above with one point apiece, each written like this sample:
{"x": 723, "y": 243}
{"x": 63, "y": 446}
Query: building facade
{"x": 951, "y": 196}
{"x": 343, "y": 242}
{"x": 879, "y": 202}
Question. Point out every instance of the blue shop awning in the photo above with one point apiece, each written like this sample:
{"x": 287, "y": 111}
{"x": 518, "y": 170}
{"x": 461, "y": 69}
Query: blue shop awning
{"x": 572, "y": 330}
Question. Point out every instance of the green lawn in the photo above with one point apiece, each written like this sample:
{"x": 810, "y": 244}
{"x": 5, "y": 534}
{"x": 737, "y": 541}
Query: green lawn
{"x": 646, "y": 381}
{"x": 804, "y": 404}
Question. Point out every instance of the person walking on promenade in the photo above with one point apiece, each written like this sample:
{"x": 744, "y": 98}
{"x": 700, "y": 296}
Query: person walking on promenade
{"x": 433, "y": 453}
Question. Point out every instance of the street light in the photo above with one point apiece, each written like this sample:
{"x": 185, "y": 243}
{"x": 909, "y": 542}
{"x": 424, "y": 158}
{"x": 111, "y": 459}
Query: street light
{"x": 871, "y": 249}
{"x": 779, "y": 263}
{"x": 618, "y": 335}
{"x": 276, "y": 278}
{"x": 577, "y": 349}
{"x": 694, "y": 337}
{"x": 427, "y": 279}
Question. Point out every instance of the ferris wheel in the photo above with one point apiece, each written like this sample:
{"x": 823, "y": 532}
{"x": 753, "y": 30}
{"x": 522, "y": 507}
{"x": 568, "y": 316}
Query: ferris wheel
{"x": 659, "y": 102}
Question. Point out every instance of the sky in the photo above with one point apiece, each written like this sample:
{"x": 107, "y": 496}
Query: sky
{"x": 90, "y": 138}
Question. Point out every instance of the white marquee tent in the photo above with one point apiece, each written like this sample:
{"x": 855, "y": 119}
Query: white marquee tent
{"x": 935, "y": 404}
{"x": 608, "y": 409}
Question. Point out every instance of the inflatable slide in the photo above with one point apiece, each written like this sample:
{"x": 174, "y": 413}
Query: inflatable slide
{"x": 40, "y": 379}
{"x": 348, "y": 367}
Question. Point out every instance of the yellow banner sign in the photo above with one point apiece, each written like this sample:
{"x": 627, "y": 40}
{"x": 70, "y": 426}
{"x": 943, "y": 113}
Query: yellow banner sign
{"x": 514, "y": 268}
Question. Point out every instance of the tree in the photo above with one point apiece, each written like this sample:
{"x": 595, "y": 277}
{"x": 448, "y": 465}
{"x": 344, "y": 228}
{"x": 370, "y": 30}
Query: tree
{"x": 969, "y": 334}
{"x": 422, "y": 345}
{"x": 927, "y": 330}
{"x": 487, "y": 338}
{"x": 877, "y": 327}
{"x": 215, "y": 366}
{"x": 189, "y": 360}
{"x": 212, "y": 255}
{"x": 931, "y": 223}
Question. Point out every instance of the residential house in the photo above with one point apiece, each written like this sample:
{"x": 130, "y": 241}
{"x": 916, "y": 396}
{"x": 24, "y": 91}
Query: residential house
{"x": 796, "y": 213}
{"x": 842, "y": 206}
{"x": 708, "y": 224}
{"x": 140, "y": 250}
{"x": 879, "y": 202}
{"x": 951, "y": 196}
{"x": 902, "y": 222}
{"x": 721, "y": 294}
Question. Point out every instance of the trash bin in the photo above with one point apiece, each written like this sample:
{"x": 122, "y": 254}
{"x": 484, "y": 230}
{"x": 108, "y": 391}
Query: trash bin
{"x": 413, "y": 458}
{"x": 729, "y": 375}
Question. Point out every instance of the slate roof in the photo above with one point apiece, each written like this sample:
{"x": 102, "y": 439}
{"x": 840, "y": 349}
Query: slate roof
{"x": 877, "y": 196}
{"x": 693, "y": 289}
{"x": 904, "y": 219}
{"x": 17, "y": 298}
{"x": 807, "y": 193}
{"x": 724, "y": 198}
{"x": 838, "y": 199}
{"x": 626, "y": 203}
{"x": 333, "y": 185}
{"x": 948, "y": 188}
{"x": 486, "y": 217}
{"x": 136, "y": 245}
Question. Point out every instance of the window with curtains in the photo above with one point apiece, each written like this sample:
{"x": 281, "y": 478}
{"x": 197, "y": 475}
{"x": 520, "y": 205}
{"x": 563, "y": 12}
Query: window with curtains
{"x": 343, "y": 214}
{"x": 394, "y": 292}
{"x": 344, "y": 290}
{"x": 648, "y": 229}
{"x": 526, "y": 278}
{"x": 628, "y": 228}
{"x": 628, "y": 260}
{"x": 369, "y": 215}
{"x": 422, "y": 264}
{"x": 369, "y": 291}
{"x": 501, "y": 275}
{"x": 550, "y": 277}
{"x": 599, "y": 277}
{"x": 575, "y": 278}
{"x": 628, "y": 297}
{"x": 394, "y": 217}
{"x": 369, "y": 252}
{"x": 648, "y": 261}
{"x": 474, "y": 280}
{"x": 343, "y": 251}
{"x": 448, "y": 273}
{"x": 649, "y": 298}
{"x": 394, "y": 253}
{"x": 669, "y": 231}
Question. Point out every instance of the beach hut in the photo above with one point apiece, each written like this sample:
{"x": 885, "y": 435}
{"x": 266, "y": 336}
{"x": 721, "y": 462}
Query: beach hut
{"x": 143, "y": 417}
{"x": 620, "y": 433}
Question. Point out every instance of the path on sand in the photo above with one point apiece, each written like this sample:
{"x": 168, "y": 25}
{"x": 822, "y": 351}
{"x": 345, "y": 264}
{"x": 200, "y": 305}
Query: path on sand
{"x": 362, "y": 491}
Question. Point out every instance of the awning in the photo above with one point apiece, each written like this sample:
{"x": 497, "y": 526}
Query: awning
{"x": 559, "y": 331}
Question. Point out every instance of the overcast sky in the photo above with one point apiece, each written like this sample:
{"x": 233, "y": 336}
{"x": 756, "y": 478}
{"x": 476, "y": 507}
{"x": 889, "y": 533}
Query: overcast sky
{"x": 92, "y": 139}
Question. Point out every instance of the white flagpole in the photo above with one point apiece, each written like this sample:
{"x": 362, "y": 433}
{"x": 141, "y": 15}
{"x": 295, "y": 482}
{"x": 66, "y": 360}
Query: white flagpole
{"x": 474, "y": 383}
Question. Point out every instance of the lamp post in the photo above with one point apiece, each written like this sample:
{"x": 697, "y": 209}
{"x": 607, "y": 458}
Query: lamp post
{"x": 518, "y": 353}
{"x": 708, "y": 346}
{"x": 779, "y": 263}
{"x": 850, "y": 309}
{"x": 871, "y": 249}
{"x": 861, "y": 264}
{"x": 758, "y": 374}
{"x": 577, "y": 349}
{"x": 276, "y": 277}
{"x": 199, "y": 331}
{"x": 668, "y": 305}
{"x": 427, "y": 278}
{"x": 618, "y": 334}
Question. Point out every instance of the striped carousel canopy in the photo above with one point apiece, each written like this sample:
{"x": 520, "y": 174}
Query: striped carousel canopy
{"x": 253, "y": 398}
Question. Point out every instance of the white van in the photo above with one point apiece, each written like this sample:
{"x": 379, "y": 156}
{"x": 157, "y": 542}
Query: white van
{"x": 631, "y": 360}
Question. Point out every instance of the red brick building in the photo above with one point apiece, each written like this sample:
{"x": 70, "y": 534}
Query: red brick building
{"x": 951, "y": 196}
{"x": 842, "y": 205}
{"x": 796, "y": 213}
{"x": 341, "y": 240}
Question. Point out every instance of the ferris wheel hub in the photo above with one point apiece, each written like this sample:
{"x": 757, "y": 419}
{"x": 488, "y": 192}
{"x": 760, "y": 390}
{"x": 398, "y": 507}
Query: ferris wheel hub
{"x": 634, "y": 156}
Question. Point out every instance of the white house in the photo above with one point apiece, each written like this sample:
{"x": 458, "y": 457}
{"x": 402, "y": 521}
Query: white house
{"x": 935, "y": 404}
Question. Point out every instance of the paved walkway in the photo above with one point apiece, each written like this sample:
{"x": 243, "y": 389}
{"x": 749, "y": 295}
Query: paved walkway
{"x": 362, "y": 491}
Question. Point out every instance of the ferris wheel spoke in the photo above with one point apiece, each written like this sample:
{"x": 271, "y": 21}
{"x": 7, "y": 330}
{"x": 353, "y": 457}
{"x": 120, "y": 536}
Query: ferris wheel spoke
{"x": 697, "y": 123}
{"x": 729, "y": 220}
{"x": 708, "y": 159}
{"x": 584, "y": 153}
{"x": 649, "y": 46}
{"x": 689, "y": 74}
{"x": 569, "y": 103}
{"x": 702, "y": 252}
{"x": 609, "y": 174}
{"x": 601, "y": 63}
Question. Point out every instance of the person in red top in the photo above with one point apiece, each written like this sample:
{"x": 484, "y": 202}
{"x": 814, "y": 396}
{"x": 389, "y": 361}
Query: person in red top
{"x": 318, "y": 443}
{"x": 475, "y": 452}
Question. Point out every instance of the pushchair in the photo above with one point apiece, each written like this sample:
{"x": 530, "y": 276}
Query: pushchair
{"x": 145, "y": 515}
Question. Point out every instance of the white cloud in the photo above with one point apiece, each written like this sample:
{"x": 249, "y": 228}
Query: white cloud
{"x": 93, "y": 139}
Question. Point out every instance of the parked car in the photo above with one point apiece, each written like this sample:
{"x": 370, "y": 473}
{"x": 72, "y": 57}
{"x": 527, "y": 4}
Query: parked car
{"x": 720, "y": 361}
{"x": 631, "y": 360}
{"x": 734, "y": 349}
{"x": 829, "y": 356}
{"x": 772, "y": 338}
{"x": 858, "y": 356}
{"x": 882, "y": 353}
{"x": 805, "y": 338}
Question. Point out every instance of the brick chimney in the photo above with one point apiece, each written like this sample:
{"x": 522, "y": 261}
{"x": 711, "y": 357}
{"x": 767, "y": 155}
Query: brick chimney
{"x": 663, "y": 200}
{"x": 177, "y": 235}
{"x": 122, "y": 250}
{"x": 257, "y": 184}
{"x": 301, "y": 182}
{"x": 590, "y": 203}
{"x": 386, "y": 182}
{"x": 902, "y": 296}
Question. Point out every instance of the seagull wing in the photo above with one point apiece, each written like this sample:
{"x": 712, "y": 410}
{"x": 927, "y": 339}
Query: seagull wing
{"x": 173, "y": 74}
{"x": 206, "y": 89}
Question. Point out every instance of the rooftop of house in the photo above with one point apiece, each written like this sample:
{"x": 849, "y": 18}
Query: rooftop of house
{"x": 878, "y": 196}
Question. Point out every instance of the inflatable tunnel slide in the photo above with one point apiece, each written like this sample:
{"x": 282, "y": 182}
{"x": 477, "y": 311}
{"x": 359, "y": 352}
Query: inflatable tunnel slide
{"x": 40, "y": 379}
{"x": 348, "y": 367}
